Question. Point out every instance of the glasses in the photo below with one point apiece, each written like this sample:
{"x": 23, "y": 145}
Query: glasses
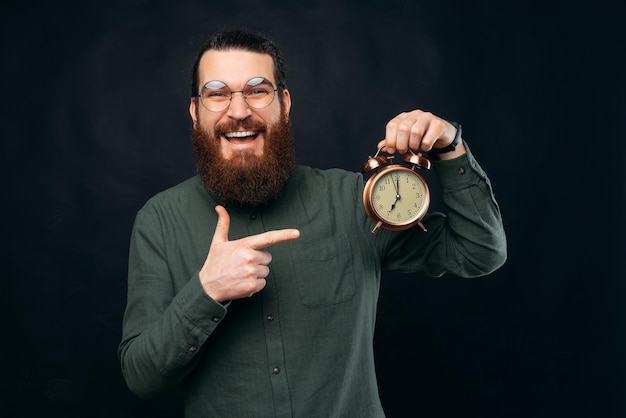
{"x": 258, "y": 93}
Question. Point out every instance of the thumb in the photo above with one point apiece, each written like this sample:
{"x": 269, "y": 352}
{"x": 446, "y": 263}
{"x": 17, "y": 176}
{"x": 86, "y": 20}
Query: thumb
{"x": 222, "y": 227}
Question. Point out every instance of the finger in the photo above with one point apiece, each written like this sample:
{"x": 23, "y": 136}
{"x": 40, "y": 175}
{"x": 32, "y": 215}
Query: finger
{"x": 416, "y": 134}
{"x": 260, "y": 284}
{"x": 269, "y": 238}
{"x": 433, "y": 131}
{"x": 400, "y": 131}
{"x": 262, "y": 258}
{"x": 431, "y": 135}
{"x": 223, "y": 225}
{"x": 406, "y": 131}
{"x": 391, "y": 133}
{"x": 437, "y": 131}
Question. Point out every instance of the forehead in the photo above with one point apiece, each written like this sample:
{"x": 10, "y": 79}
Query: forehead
{"x": 234, "y": 67}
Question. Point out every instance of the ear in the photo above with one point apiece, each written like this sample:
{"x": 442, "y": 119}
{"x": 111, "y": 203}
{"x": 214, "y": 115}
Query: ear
{"x": 286, "y": 101}
{"x": 193, "y": 110}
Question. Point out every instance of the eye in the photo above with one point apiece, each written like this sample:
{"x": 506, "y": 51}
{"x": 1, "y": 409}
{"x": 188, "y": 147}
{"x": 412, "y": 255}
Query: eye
{"x": 216, "y": 94}
{"x": 258, "y": 91}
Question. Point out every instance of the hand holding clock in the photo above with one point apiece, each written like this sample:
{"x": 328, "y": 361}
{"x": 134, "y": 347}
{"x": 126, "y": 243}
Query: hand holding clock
{"x": 416, "y": 131}
{"x": 420, "y": 131}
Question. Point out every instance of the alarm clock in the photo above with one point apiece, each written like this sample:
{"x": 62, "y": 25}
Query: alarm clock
{"x": 396, "y": 197}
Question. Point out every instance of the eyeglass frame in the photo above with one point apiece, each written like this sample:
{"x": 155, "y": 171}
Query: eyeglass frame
{"x": 245, "y": 98}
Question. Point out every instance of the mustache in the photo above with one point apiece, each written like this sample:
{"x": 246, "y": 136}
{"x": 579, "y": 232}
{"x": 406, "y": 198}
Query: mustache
{"x": 246, "y": 125}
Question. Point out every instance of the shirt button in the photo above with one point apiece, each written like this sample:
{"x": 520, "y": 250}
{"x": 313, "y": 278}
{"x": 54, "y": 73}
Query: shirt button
{"x": 276, "y": 370}
{"x": 192, "y": 348}
{"x": 253, "y": 216}
{"x": 461, "y": 170}
{"x": 270, "y": 317}
{"x": 216, "y": 319}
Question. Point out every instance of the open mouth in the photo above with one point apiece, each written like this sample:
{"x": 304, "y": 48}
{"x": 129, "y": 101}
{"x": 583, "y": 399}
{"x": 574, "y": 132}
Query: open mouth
{"x": 241, "y": 136}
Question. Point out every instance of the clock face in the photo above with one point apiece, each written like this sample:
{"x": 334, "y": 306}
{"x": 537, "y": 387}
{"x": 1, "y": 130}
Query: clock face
{"x": 399, "y": 197}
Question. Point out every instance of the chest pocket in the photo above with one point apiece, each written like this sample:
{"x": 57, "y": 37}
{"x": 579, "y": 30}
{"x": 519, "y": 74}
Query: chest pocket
{"x": 324, "y": 270}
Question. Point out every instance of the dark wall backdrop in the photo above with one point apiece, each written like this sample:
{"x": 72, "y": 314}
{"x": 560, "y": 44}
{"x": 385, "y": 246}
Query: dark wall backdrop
{"x": 94, "y": 121}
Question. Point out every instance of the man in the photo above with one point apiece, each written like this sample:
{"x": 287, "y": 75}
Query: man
{"x": 254, "y": 284}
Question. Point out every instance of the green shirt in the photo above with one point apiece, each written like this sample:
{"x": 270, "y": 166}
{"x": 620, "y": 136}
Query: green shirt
{"x": 302, "y": 347}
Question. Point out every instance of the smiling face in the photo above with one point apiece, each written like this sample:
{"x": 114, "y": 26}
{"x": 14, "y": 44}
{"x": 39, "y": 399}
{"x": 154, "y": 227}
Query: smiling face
{"x": 240, "y": 129}
{"x": 243, "y": 155}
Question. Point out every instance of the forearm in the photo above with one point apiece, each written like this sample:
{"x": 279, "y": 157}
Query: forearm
{"x": 159, "y": 348}
{"x": 475, "y": 238}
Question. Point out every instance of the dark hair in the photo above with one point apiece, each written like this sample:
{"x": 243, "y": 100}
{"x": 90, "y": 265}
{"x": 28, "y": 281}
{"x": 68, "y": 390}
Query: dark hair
{"x": 246, "y": 41}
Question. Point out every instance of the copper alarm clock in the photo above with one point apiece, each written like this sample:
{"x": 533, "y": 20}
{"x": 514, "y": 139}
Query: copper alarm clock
{"x": 396, "y": 196}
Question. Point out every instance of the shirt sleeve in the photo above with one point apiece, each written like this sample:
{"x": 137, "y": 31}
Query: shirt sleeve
{"x": 164, "y": 327}
{"x": 466, "y": 239}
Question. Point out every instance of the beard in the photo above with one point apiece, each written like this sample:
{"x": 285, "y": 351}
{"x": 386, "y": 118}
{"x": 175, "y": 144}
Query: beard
{"x": 245, "y": 178}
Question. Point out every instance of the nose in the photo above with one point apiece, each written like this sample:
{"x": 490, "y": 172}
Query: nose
{"x": 238, "y": 108}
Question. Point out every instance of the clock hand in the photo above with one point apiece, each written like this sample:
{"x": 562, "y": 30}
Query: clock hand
{"x": 398, "y": 186}
{"x": 393, "y": 205}
{"x": 397, "y": 189}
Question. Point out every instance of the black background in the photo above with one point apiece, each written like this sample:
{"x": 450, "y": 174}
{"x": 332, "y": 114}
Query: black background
{"x": 94, "y": 121}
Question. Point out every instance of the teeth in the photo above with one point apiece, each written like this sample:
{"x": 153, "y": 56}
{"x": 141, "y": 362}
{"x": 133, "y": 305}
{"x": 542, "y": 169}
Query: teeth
{"x": 240, "y": 134}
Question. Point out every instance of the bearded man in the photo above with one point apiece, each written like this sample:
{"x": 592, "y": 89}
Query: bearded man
{"x": 254, "y": 284}
{"x": 244, "y": 176}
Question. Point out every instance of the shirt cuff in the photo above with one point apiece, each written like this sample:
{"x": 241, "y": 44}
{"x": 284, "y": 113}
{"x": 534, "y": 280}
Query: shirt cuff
{"x": 459, "y": 172}
{"x": 204, "y": 312}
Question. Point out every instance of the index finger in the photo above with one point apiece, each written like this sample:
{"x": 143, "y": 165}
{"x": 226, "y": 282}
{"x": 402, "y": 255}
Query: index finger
{"x": 269, "y": 238}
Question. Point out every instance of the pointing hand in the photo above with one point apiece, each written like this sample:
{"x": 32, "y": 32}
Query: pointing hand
{"x": 237, "y": 269}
